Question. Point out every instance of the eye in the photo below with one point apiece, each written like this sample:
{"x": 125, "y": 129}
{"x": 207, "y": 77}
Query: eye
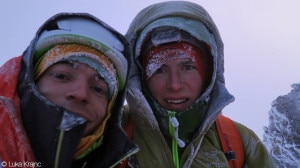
{"x": 160, "y": 70}
{"x": 101, "y": 91}
{"x": 98, "y": 89}
{"x": 60, "y": 72}
{"x": 188, "y": 66}
{"x": 59, "y": 76}
{"x": 99, "y": 86}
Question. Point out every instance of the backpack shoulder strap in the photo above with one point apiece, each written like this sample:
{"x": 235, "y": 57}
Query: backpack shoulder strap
{"x": 231, "y": 141}
{"x": 128, "y": 128}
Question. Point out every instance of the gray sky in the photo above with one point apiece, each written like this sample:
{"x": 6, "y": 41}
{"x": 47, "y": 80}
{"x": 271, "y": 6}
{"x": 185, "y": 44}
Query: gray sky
{"x": 261, "y": 41}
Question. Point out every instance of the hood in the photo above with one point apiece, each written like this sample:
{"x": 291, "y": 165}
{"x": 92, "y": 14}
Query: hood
{"x": 44, "y": 120}
{"x": 195, "y": 20}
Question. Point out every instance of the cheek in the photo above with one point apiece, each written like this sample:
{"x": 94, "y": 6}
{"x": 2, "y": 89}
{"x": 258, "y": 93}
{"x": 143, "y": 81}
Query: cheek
{"x": 44, "y": 88}
{"x": 196, "y": 85}
{"x": 100, "y": 108}
{"x": 49, "y": 90}
{"x": 155, "y": 86}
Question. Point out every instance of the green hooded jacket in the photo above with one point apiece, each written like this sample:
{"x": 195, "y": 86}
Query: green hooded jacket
{"x": 203, "y": 148}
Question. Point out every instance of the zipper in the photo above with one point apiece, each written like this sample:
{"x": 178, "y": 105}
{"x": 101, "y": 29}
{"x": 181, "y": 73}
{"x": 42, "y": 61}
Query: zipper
{"x": 173, "y": 129}
{"x": 58, "y": 148}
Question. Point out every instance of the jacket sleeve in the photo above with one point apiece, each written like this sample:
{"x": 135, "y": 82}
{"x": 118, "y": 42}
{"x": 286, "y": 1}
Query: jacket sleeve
{"x": 255, "y": 153}
{"x": 14, "y": 144}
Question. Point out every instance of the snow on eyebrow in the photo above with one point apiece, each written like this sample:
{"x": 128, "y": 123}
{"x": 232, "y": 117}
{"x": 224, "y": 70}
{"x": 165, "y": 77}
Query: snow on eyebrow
{"x": 164, "y": 56}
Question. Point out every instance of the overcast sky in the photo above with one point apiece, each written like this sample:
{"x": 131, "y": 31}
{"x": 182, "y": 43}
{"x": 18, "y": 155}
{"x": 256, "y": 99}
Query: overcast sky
{"x": 261, "y": 41}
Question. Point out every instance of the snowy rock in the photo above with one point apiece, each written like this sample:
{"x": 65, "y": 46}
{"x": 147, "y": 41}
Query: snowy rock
{"x": 282, "y": 136}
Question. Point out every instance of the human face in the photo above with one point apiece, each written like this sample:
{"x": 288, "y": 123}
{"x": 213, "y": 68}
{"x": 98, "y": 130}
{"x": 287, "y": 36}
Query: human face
{"x": 176, "y": 84}
{"x": 79, "y": 89}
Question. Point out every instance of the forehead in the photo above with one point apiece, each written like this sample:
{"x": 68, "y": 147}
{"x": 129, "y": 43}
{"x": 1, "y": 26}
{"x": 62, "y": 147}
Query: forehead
{"x": 75, "y": 66}
{"x": 179, "y": 60}
{"x": 72, "y": 64}
{"x": 157, "y": 56}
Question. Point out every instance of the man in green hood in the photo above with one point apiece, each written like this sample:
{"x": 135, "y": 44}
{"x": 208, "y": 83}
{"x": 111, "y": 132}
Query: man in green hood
{"x": 176, "y": 90}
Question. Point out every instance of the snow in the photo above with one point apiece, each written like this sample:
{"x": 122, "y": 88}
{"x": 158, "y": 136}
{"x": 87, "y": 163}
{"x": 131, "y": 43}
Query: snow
{"x": 282, "y": 135}
{"x": 158, "y": 58}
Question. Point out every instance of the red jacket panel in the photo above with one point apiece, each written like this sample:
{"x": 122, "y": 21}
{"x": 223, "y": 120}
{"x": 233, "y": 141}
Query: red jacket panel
{"x": 14, "y": 146}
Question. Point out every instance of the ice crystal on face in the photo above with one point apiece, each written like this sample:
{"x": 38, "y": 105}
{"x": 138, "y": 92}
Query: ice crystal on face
{"x": 70, "y": 120}
{"x": 75, "y": 64}
{"x": 282, "y": 136}
{"x": 160, "y": 58}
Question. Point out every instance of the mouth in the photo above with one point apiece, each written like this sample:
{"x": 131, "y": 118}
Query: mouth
{"x": 176, "y": 104}
{"x": 176, "y": 101}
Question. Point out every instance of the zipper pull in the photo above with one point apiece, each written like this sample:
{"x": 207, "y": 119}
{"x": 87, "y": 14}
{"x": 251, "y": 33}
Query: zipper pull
{"x": 174, "y": 122}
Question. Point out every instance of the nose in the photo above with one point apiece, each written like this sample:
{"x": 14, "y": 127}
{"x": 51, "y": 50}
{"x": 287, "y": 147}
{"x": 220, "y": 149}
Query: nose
{"x": 78, "y": 92}
{"x": 174, "y": 81}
